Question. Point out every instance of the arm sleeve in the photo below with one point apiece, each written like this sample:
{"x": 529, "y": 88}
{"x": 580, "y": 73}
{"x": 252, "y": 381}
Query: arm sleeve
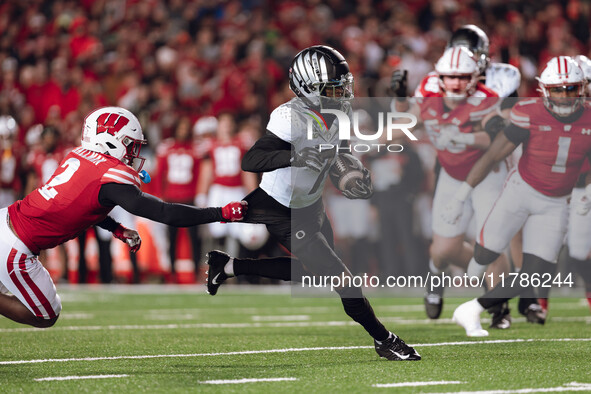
{"x": 267, "y": 154}
{"x": 134, "y": 201}
{"x": 516, "y": 134}
{"x": 108, "y": 224}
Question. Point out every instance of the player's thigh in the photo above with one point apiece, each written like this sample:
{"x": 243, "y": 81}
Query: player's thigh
{"x": 579, "y": 230}
{"x": 444, "y": 192}
{"x": 543, "y": 233}
{"x": 504, "y": 219}
{"x": 485, "y": 195}
{"x": 25, "y": 277}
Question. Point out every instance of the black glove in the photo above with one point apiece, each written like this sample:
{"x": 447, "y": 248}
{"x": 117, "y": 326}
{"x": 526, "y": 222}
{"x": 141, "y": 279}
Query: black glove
{"x": 494, "y": 126}
{"x": 308, "y": 157}
{"x": 398, "y": 84}
{"x": 363, "y": 188}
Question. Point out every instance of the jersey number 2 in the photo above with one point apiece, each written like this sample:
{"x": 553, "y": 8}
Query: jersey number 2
{"x": 71, "y": 166}
{"x": 562, "y": 155}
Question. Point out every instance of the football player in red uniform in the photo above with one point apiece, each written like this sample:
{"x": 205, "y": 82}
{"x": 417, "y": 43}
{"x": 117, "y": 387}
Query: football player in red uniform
{"x": 178, "y": 169}
{"x": 459, "y": 114}
{"x": 222, "y": 179}
{"x": 504, "y": 79}
{"x": 89, "y": 183}
{"x": 556, "y": 134}
{"x": 579, "y": 226}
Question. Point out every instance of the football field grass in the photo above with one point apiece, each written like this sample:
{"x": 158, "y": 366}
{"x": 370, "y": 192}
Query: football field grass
{"x": 179, "y": 339}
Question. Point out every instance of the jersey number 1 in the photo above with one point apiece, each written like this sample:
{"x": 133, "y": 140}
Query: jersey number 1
{"x": 71, "y": 166}
{"x": 562, "y": 155}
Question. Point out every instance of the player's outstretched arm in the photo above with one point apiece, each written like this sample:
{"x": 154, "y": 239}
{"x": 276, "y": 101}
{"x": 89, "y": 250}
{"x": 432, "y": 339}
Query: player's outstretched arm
{"x": 134, "y": 201}
{"x": 267, "y": 154}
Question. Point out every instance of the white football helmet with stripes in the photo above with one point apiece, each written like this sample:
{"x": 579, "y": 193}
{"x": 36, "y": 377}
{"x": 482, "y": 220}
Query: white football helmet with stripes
{"x": 562, "y": 84}
{"x": 116, "y": 132}
{"x": 320, "y": 71}
{"x": 458, "y": 62}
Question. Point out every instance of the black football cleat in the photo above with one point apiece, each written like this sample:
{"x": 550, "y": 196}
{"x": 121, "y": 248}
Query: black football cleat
{"x": 216, "y": 261}
{"x": 501, "y": 316}
{"x": 394, "y": 349}
{"x": 535, "y": 314}
{"x": 434, "y": 301}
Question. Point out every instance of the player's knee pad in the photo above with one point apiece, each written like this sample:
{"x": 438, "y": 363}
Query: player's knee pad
{"x": 41, "y": 322}
{"x": 484, "y": 256}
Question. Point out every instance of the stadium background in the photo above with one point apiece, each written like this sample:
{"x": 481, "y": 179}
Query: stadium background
{"x": 165, "y": 60}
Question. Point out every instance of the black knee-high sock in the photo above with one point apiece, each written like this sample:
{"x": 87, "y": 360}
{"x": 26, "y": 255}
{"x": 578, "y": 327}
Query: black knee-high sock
{"x": 284, "y": 268}
{"x": 512, "y": 288}
{"x": 583, "y": 267}
{"x": 361, "y": 311}
{"x": 545, "y": 269}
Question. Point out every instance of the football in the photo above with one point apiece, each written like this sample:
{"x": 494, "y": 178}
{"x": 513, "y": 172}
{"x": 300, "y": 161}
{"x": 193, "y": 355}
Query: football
{"x": 345, "y": 171}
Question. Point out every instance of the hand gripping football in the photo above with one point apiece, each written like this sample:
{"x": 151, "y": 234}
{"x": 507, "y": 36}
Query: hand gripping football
{"x": 350, "y": 176}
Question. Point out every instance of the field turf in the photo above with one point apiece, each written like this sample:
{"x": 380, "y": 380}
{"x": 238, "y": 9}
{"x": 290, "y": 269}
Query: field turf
{"x": 179, "y": 339}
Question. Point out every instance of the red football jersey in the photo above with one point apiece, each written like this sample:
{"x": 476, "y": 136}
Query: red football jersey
{"x": 458, "y": 160}
{"x": 555, "y": 152}
{"x": 68, "y": 203}
{"x": 227, "y": 159}
{"x": 178, "y": 170}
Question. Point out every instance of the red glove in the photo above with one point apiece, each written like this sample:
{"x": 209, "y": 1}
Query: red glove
{"x": 129, "y": 236}
{"x": 234, "y": 211}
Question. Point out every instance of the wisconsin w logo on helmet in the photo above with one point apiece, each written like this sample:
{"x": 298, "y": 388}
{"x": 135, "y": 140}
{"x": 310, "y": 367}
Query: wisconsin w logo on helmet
{"x": 110, "y": 123}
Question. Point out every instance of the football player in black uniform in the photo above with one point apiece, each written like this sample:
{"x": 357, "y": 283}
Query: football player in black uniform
{"x": 288, "y": 199}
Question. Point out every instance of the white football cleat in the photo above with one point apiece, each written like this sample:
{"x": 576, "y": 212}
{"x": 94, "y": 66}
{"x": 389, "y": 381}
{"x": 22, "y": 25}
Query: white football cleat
{"x": 467, "y": 315}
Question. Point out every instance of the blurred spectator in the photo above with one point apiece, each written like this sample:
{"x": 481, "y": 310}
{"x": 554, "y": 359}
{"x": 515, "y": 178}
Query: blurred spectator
{"x": 176, "y": 181}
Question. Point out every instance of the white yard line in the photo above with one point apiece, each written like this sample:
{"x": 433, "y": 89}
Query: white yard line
{"x": 280, "y": 318}
{"x": 286, "y": 350}
{"x": 253, "y": 380}
{"x": 414, "y": 384}
{"x": 80, "y": 377}
{"x": 573, "y": 386}
{"x": 333, "y": 323}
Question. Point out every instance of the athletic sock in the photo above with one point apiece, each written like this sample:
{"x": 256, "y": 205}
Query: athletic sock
{"x": 361, "y": 311}
{"x": 229, "y": 267}
{"x": 274, "y": 267}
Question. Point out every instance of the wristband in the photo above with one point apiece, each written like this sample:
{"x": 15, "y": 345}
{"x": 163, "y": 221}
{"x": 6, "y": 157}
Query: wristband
{"x": 463, "y": 191}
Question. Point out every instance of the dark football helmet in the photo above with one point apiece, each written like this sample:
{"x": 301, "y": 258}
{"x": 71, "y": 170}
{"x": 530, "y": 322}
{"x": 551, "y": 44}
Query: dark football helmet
{"x": 476, "y": 40}
{"x": 320, "y": 71}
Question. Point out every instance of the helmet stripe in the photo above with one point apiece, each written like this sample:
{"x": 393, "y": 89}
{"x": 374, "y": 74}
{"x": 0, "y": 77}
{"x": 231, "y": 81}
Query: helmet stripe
{"x": 323, "y": 69}
{"x": 451, "y": 58}
{"x": 558, "y": 62}
{"x": 566, "y": 70}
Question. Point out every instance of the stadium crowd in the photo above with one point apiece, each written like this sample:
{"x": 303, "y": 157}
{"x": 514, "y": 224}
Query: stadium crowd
{"x": 176, "y": 64}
